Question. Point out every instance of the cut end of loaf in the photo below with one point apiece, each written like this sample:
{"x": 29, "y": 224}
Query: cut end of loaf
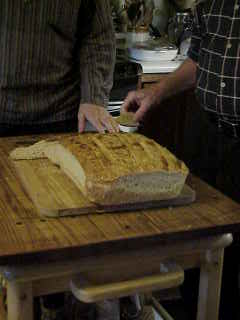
{"x": 35, "y": 151}
{"x": 68, "y": 163}
{"x": 137, "y": 188}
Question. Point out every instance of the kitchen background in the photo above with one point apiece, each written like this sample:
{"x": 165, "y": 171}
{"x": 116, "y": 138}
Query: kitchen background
{"x": 138, "y": 15}
{"x": 151, "y": 34}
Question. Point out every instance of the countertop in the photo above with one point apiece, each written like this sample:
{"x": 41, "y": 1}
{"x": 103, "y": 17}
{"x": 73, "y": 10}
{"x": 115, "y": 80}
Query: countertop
{"x": 27, "y": 235}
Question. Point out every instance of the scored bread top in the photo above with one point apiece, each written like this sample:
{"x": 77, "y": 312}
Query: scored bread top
{"x": 106, "y": 157}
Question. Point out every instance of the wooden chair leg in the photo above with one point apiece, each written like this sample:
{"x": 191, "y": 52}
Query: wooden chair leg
{"x": 210, "y": 286}
{"x": 20, "y": 301}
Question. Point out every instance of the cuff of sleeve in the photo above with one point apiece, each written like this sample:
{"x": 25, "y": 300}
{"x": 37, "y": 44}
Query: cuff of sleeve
{"x": 102, "y": 102}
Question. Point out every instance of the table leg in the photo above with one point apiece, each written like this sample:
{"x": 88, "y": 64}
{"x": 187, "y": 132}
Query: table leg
{"x": 20, "y": 300}
{"x": 210, "y": 285}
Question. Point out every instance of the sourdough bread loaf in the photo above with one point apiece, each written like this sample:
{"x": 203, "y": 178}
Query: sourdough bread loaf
{"x": 119, "y": 168}
{"x": 113, "y": 169}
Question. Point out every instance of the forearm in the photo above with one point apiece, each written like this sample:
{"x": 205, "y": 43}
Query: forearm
{"x": 182, "y": 79}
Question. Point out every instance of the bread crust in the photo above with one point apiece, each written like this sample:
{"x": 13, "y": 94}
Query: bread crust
{"x": 121, "y": 168}
{"x": 118, "y": 168}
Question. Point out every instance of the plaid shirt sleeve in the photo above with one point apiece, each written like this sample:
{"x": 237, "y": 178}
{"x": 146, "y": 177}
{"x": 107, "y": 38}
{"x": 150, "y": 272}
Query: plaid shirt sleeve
{"x": 196, "y": 38}
{"x": 97, "y": 57}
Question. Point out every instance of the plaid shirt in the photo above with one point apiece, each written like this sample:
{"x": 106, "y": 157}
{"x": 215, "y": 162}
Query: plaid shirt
{"x": 215, "y": 46}
{"x": 54, "y": 54}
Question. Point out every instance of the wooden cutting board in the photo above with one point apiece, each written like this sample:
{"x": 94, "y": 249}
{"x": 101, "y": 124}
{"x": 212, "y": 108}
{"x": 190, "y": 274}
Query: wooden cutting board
{"x": 55, "y": 195}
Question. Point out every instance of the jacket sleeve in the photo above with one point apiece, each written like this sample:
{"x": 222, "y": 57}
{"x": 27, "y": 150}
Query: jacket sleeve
{"x": 97, "y": 54}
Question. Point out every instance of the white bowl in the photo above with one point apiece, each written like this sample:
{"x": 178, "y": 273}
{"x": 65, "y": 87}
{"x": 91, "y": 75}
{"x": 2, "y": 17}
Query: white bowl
{"x": 127, "y": 128}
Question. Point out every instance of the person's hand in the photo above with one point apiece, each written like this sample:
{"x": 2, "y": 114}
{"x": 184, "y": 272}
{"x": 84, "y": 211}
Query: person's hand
{"x": 98, "y": 117}
{"x": 141, "y": 101}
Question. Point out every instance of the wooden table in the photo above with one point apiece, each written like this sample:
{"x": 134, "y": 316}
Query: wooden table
{"x": 40, "y": 256}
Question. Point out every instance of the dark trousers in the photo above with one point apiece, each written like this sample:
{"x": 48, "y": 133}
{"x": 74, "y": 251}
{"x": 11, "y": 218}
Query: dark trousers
{"x": 215, "y": 157}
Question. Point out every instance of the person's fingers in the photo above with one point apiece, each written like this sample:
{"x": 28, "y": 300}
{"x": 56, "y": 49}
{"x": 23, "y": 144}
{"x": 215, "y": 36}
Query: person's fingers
{"x": 129, "y": 101}
{"x": 96, "y": 122}
{"x": 81, "y": 122}
{"x": 99, "y": 118}
{"x": 115, "y": 125}
{"x": 140, "y": 113}
{"x": 140, "y": 95}
{"x": 109, "y": 123}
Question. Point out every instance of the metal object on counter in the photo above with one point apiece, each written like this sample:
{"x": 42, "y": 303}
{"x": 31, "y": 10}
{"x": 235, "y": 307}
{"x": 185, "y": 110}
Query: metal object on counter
{"x": 140, "y": 13}
{"x": 132, "y": 15}
{"x": 180, "y": 27}
{"x": 183, "y": 18}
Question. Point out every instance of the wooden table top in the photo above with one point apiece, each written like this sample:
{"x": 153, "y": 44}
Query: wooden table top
{"x": 25, "y": 235}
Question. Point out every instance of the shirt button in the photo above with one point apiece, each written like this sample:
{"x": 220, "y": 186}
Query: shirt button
{"x": 229, "y": 45}
{"x": 236, "y": 7}
{"x": 223, "y": 84}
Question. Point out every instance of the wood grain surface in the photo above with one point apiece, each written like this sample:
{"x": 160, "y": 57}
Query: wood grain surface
{"x": 55, "y": 195}
{"x": 25, "y": 235}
